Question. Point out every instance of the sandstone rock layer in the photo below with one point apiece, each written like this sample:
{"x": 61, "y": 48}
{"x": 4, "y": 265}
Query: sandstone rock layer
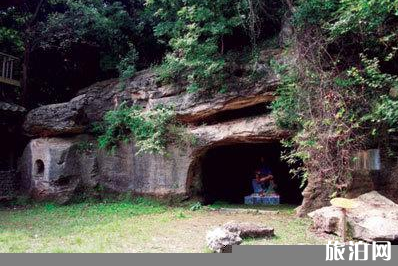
{"x": 375, "y": 218}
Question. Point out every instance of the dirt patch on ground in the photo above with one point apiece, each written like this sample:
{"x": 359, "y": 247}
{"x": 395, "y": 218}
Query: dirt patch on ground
{"x": 187, "y": 234}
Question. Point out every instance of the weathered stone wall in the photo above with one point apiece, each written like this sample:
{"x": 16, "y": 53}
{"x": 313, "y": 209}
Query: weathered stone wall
{"x": 364, "y": 180}
{"x": 8, "y": 184}
{"x": 55, "y": 168}
{"x": 153, "y": 174}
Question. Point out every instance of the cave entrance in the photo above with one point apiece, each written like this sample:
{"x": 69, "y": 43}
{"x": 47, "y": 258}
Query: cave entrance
{"x": 227, "y": 173}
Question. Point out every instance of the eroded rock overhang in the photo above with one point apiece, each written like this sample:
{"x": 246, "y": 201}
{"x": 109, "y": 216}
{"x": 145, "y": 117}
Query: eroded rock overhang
{"x": 90, "y": 105}
{"x": 59, "y": 129}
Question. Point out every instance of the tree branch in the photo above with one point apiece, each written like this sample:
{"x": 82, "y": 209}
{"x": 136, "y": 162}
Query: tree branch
{"x": 290, "y": 5}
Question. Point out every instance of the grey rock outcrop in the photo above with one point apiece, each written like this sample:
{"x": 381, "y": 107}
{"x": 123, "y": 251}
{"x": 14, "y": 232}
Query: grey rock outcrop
{"x": 91, "y": 104}
{"x": 251, "y": 230}
{"x": 250, "y": 130}
{"x": 68, "y": 166}
{"x": 150, "y": 174}
{"x": 375, "y": 218}
{"x": 57, "y": 119}
{"x": 221, "y": 240}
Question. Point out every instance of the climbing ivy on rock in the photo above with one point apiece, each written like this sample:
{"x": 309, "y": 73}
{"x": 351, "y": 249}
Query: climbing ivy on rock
{"x": 340, "y": 92}
{"x": 151, "y": 130}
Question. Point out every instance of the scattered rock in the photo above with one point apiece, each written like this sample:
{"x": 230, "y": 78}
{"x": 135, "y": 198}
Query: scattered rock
{"x": 221, "y": 240}
{"x": 375, "y": 218}
{"x": 249, "y": 230}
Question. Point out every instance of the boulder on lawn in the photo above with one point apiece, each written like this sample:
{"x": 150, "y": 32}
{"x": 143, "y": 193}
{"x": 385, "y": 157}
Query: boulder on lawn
{"x": 221, "y": 240}
{"x": 375, "y": 218}
{"x": 249, "y": 230}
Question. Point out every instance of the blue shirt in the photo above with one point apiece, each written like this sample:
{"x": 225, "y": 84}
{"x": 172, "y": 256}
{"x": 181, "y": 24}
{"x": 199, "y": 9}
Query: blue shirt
{"x": 264, "y": 170}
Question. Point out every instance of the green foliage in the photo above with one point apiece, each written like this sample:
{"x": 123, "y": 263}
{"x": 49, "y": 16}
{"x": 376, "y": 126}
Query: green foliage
{"x": 338, "y": 93}
{"x": 121, "y": 227}
{"x": 88, "y": 40}
{"x": 377, "y": 86}
{"x": 386, "y": 111}
{"x": 85, "y": 147}
{"x": 194, "y": 31}
{"x": 285, "y": 108}
{"x": 21, "y": 200}
{"x": 371, "y": 77}
{"x": 314, "y": 12}
{"x": 331, "y": 128}
{"x": 61, "y": 24}
{"x": 196, "y": 207}
{"x": 93, "y": 22}
{"x": 12, "y": 23}
{"x": 296, "y": 159}
{"x": 127, "y": 66}
{"x": 151, "y": 130}
{"x": 363, "y": 16}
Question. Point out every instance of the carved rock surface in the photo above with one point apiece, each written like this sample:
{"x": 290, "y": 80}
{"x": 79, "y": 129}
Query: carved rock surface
{"x": 53, "y": 168}
{"x": 375, "y": 218}
{"x": 69, "y": 165}
{"x": 151, "y": 174}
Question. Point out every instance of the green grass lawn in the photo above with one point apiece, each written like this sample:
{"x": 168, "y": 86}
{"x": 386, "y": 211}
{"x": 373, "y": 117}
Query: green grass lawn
{"x": 132, "y": 226}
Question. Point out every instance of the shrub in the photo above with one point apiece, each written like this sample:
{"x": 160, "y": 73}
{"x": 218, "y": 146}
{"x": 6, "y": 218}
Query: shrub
{"x": 336, "y": 94}
{"x": 151, "y": 131}
{"x": 362, "y": 16}
{"x": 126, "y": 67}
{"x": 386, "y": 112}
{"x": 285, "y": 108}
{"x": 194, "y": 31}
{"x": 314, "y": 12}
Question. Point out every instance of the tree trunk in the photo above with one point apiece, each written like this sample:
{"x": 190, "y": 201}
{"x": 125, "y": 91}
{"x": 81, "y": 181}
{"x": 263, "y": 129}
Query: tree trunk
{"x": 28, "y": 50}
{"x": 222, "y": 45}
{"x": 290, "y": 5}
{"x": 25, "y": 75}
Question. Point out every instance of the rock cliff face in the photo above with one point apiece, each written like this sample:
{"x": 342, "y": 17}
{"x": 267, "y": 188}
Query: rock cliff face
{"x": 62, "y": 158}
{"x": 91, "y": 104}
{"x": 54, "y": 168}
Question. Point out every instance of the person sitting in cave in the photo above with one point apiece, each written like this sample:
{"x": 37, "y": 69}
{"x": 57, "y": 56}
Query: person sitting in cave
{"x": 264, "y": 180}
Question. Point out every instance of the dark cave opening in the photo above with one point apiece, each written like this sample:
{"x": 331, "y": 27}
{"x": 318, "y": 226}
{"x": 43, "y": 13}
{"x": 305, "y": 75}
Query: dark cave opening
{"x": 39, "y": 168}
{"x": 227, "y": 173}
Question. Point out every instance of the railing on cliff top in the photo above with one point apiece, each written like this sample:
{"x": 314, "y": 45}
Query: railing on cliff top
{"x": 7, "y": 67}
